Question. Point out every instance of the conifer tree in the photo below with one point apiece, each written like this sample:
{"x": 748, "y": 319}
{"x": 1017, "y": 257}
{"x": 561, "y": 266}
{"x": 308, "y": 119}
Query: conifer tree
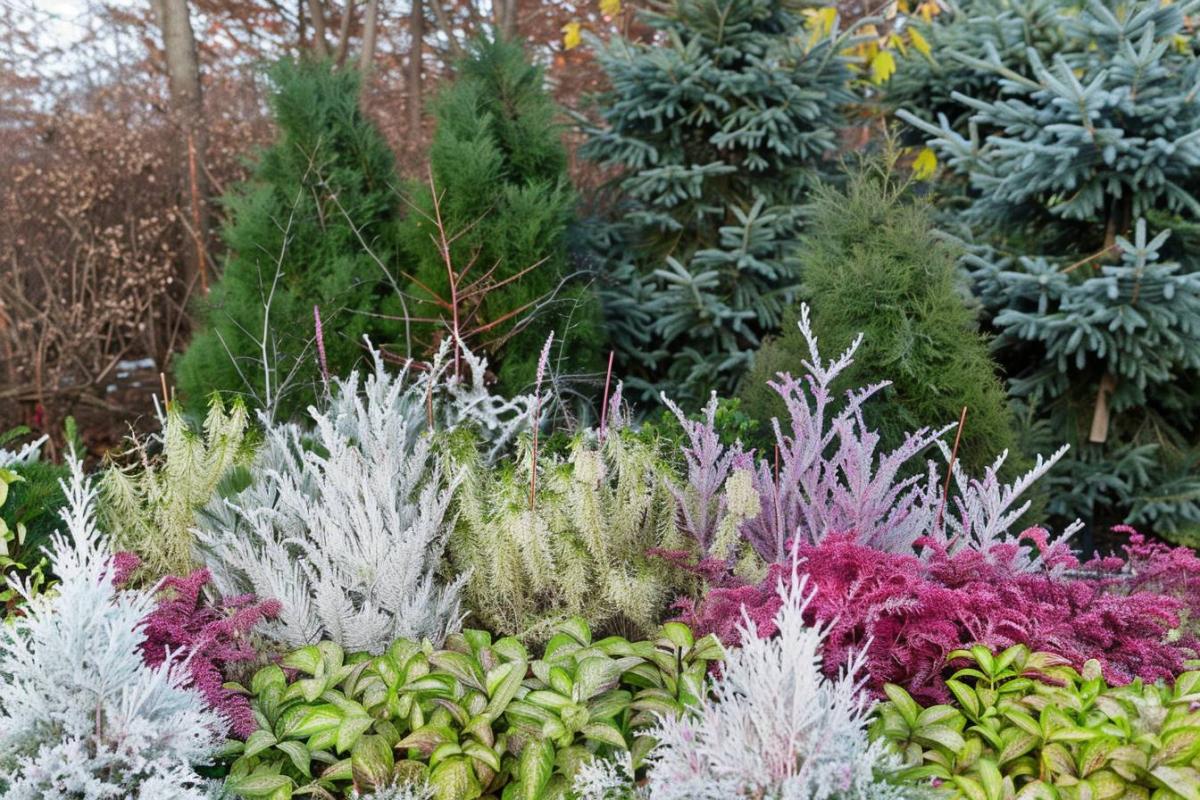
{"x": 314, "y": 226}
{"x": 1092, "y": 158}
{"x": 927, "y": 77}
{"x": 500, "y": 200}
{"x": 717, "y": 130}
{"x": 872, "y": 264}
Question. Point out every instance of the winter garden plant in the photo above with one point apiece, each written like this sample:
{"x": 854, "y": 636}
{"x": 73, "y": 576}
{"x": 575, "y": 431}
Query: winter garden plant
{"x": 828, "y": 475}
{"x": 904, "y": 614}
{"x": 775, "y": 726}
{"x": 345, "y": 526}
{"x": 81, "y": 714}
{"x": 476, "y": 719}
{"x": 567, "y": 536}
{"x": 150, "y": 507}
{"x": 1030, "y": 725}
{"x": 1078, "y": 167}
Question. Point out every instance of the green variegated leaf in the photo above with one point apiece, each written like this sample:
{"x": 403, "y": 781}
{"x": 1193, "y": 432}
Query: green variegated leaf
{"x": 427, "y": 738}
{"x": 259, "y": 741}
{"x": 535, "y": 767}
{"x": 298, "y": 754}
{"x": 372, "y": 762}
{"x": 316, "y": 719}
{"x": 307, "y": 660}
{"x": 351, "y": 729}
{"x": 605, "y": 733}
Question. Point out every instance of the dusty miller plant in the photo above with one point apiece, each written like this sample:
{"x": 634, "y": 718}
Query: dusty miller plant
{"x": 151, "y": 511}
{"x": 81, "y": 715}
{"x": 345, "y": 525}
{"x": 775, "y": 726}
{"x": 827, "y": 474}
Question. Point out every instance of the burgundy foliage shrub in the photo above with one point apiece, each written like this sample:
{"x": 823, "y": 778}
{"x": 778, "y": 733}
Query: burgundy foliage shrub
{"x": 210, "y": 637}
{"x": 1130, "y": 613}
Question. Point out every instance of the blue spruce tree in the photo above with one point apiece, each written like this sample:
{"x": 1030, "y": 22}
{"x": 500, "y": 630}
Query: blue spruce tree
{"x": 1089, "y": 160}
{"x": 716, "y": 132}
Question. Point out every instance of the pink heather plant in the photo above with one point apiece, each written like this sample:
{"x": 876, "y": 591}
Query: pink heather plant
{"x": 209, "y": 637}
{"x": 911, "y": 612}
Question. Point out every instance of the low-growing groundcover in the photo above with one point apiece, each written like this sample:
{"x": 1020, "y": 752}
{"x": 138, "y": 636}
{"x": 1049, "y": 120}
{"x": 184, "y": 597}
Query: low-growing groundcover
{"x": 1031, "y": 724}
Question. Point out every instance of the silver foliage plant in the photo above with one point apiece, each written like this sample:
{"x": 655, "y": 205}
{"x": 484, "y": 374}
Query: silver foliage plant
{"x": 828, "y": 475}
{"x": 773, "y": 727}
{"x": 25, "y": 454}
{"x": 81, "y": 715}
{"x": 346, "y": 525}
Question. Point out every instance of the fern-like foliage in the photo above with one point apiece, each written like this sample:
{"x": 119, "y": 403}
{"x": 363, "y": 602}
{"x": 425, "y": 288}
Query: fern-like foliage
{"x": 570, "y": 541}
{"x": 81, "y": 715}
{"x": 775, "y": 726}
{"x": 150, "y": 507}
{"x": 344, "y": 526}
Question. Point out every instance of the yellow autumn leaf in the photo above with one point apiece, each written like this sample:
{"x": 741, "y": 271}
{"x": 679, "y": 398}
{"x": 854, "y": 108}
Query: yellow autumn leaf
{"x": 610, "y": 8}
{"x": 820, "y": 20}
{"x": 919, "y": 42}
{"x": 882, "y": 66}
{"x": 927, "y": 9}
{"x": 572, "y": 35}
{"x": 925, "y": 164}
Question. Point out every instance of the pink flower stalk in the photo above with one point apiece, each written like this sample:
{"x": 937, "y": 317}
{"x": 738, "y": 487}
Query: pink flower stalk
{"x": 320, "y": 335}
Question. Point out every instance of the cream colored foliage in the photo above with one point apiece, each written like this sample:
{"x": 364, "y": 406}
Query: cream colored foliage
{"x": 581, "y": 548}
{"x": 150, "y": 509}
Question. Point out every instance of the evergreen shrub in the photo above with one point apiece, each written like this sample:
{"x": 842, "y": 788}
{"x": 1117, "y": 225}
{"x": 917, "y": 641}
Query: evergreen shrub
{"x": 872, "y": 265}
{"x": 716, "y": 132}
{"x": 500, "y": 202}
{"x": 315, "y": 225}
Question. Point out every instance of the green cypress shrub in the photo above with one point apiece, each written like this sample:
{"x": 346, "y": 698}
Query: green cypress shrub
{"x": 717, "y": 130}
{"x": 1072, "y": 170}
{"x": 315, "y": 225}
{"x": 873, "y": 264}
{"x": 505, "y": 202}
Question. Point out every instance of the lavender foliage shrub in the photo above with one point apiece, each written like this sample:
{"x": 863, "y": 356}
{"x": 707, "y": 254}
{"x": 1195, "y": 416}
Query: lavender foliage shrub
{"x": 828, "y": 475}
{"x": 81, "y": 715}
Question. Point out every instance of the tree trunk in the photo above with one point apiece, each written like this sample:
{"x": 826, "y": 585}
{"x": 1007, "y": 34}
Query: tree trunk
{"x": 343, "y": 43}
{"x": 504, "y": 17}
{"x": 370, "y": 35}
{"x": 187, "y": 108}
{"x": 416, "y": 55}
{"x": 316, "y": 9}
{"x": 446, "y": 24}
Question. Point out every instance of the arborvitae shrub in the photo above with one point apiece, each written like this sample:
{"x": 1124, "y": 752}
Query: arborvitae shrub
{"x": 872, "y": 264}
{"x": 314, "y": 226}
{"x": 716, "y": 130}
{"x": 499, "y": 183}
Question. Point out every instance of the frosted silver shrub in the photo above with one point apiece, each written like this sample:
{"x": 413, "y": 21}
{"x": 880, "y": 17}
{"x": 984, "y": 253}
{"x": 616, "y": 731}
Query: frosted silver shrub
{"x": 81, "y": 715}
{"x": 344, "y": 526}
{"x": 775, "y": 727}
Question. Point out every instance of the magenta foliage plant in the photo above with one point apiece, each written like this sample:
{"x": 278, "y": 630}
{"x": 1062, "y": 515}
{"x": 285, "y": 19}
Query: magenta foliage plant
{"x": 210, "y": 638}
{"x": 828, "y": 474}
{"x": 909, "y": 613}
